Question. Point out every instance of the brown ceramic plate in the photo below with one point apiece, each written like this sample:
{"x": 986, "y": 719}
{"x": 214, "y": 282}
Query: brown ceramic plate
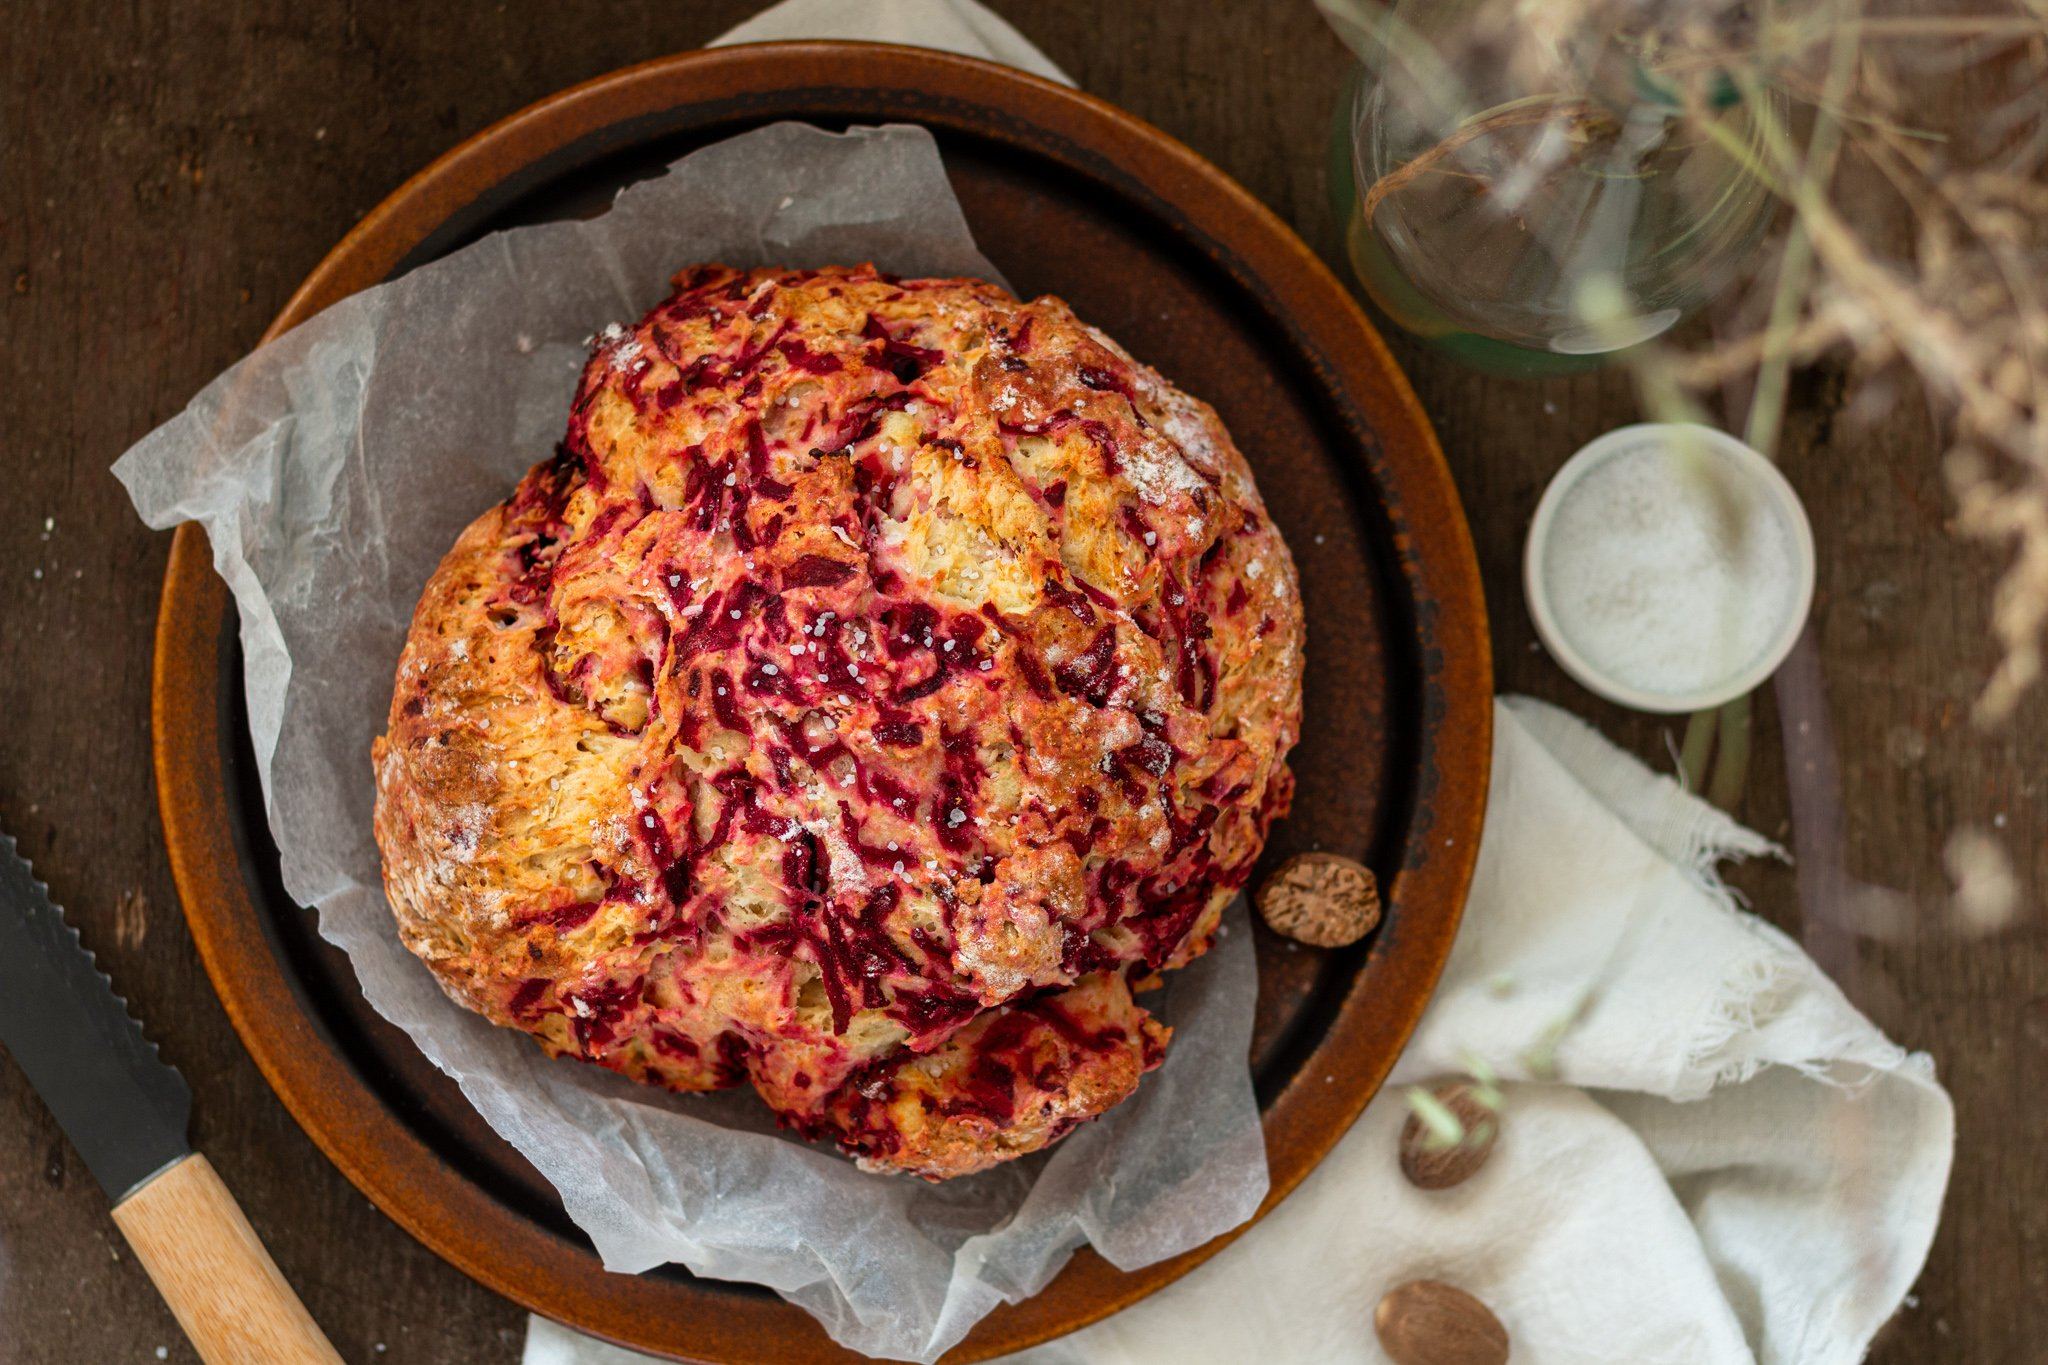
{"x": 1067, "y": 195}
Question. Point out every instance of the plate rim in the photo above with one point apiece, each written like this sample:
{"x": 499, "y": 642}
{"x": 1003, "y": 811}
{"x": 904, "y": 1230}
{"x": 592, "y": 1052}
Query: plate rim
{"x": 522, "y": 1261}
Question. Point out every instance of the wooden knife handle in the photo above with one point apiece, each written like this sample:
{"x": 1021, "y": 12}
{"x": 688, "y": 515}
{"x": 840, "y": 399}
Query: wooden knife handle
{"x": 192, "y": 1238}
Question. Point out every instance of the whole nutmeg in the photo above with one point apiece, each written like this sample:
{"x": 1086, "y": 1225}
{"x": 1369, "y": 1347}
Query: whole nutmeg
{"x": 1321, "y": 899}
{"x": 1433, "y": 1162}
{"x": 1428, "y": 1322}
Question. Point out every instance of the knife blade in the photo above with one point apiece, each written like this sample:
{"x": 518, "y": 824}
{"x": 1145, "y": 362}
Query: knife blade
{"x": 123, "y": 1107}
{"x": 126, "y": 1111}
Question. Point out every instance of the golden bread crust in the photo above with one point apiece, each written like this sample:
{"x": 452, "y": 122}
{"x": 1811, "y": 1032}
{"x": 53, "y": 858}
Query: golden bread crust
{"x": 881, "y": 675}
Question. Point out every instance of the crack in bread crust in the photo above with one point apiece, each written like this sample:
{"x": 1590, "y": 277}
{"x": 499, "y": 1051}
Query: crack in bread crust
{"x": 882, "y": 677}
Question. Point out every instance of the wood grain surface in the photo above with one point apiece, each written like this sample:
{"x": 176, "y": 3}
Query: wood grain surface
{"x": 210, "y": 1266}
{"x": 171, "y": 171}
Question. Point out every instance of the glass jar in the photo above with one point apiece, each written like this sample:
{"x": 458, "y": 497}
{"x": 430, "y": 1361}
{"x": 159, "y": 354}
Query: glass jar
{"x": 1537, "y": 202}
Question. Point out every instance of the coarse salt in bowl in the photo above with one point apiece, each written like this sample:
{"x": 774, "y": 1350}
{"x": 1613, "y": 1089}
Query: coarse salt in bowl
{"x": 1669, "y": 567}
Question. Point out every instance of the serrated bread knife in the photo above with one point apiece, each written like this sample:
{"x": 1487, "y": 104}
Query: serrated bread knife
{"x": 125, "y": 1110}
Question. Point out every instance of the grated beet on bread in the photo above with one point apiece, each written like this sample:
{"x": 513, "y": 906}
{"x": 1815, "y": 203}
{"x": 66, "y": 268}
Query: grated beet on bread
{"x": 883, "y": 678}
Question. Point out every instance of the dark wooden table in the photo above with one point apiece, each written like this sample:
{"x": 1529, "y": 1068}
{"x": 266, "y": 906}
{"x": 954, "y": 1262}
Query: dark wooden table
{"x": 170, "y": 173}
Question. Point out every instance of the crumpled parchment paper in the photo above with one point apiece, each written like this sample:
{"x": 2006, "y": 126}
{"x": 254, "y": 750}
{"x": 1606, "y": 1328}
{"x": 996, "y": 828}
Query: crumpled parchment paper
{"x": 334, "y": 467}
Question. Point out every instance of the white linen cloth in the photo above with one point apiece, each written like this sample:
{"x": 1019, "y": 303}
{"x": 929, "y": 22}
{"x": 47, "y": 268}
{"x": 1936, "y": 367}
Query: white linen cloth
{"x": 961, "y": 26}
{"x": 1707, "y": 1154}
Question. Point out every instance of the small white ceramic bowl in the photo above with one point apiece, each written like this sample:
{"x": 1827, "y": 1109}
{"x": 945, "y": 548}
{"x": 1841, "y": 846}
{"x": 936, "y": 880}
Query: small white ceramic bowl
{"x": 1741, "y": 463}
